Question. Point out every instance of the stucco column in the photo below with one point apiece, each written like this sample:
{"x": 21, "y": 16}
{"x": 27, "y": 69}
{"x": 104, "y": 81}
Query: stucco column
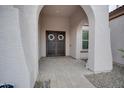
{"x": 102, "y": 48}
{"x": 99, "y": 53}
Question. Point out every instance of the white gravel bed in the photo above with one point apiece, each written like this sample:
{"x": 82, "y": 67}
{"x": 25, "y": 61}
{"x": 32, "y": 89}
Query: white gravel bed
{"x": 113, "y": 79}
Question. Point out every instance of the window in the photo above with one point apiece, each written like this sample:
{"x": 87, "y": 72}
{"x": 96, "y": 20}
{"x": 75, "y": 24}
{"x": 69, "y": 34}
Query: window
{"x": 85, "y": 39}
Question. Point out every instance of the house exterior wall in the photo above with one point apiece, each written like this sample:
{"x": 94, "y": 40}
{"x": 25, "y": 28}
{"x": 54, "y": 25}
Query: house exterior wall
{"x": 117, "y": 38}
{"x": 13, "y": 68}
{"x": 19, "y": 43}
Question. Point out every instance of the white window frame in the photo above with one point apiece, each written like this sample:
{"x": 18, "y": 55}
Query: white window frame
{"x": 85, "y": 28}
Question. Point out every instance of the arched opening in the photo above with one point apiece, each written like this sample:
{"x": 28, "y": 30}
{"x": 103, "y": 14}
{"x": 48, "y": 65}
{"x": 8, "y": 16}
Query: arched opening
{"x": 87, "y": 20}
{"x": 60, "y": 31}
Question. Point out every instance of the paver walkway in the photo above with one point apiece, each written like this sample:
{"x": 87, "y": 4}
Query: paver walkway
{"x": 63, "y": 72}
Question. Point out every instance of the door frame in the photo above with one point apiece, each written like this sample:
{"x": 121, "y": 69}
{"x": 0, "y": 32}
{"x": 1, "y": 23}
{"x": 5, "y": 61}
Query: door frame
{"x": 46, "y": 40}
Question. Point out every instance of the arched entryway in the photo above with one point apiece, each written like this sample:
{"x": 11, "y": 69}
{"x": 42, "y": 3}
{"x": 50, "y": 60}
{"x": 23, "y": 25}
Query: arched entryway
{"x": 89, "y": 16}
{"x": 67, "y": 21}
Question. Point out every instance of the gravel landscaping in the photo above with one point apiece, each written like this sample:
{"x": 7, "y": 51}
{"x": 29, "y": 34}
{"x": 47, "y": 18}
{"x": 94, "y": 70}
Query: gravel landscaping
{"x": 113, "y": 79}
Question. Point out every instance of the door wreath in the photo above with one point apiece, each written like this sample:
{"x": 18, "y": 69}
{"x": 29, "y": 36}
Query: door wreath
{"x": 51, "y": 37}
{"x": 60, "y": 37}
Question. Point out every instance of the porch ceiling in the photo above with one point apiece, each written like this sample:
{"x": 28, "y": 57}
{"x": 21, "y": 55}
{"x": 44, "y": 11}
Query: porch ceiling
{"x": 59, "y": 10}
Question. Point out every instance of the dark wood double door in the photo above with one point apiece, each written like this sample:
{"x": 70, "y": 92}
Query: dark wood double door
{"x": 55, "y": 43}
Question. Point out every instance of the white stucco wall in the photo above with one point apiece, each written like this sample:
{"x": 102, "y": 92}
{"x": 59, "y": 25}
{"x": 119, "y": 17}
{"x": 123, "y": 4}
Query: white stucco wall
{"x": 102, "y": 44}
{"x": 54, "y": 24}
{"x": 99, "y": 53}
{"x": 29, "y": 36}
{"x": 117, "y": 38}
{"x": 77, "y": 20}
{"x": 13, "y": 68}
